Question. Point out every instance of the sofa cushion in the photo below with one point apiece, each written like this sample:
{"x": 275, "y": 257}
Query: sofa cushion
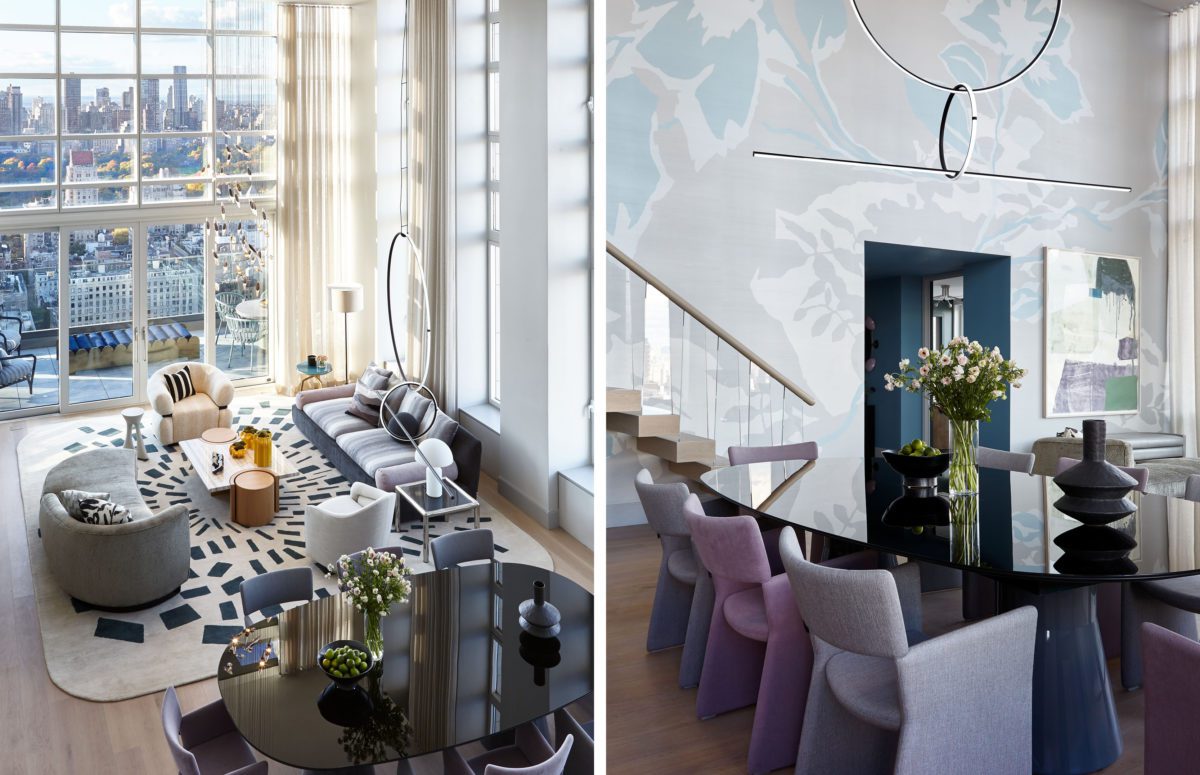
{"x": 330, "y": 416}
{"x": 443, "y": 428}
{"x": 374, "y": 449}
{"x": 73, "y": 499}
{"x": 98, "y": 511}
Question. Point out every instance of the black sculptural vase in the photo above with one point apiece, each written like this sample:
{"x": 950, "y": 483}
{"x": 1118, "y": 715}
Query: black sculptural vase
{"x": 1094, "y": 489}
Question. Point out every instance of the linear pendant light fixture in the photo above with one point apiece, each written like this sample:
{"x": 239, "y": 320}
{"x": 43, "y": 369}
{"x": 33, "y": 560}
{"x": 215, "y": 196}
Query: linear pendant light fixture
{"x": 952, "y": 92}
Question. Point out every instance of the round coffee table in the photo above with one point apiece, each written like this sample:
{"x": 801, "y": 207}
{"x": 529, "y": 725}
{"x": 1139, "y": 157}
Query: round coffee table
{"x": 313, "y": 372}
{"x": 253, "y": 497}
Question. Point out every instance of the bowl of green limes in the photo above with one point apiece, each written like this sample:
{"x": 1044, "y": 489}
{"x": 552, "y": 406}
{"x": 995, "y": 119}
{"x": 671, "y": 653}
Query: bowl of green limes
{"x": 345, "y": 661}
{"x": 918, "y": 460}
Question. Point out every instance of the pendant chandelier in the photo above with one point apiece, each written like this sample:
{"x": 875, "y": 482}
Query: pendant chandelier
{"x": 952, "y": 92}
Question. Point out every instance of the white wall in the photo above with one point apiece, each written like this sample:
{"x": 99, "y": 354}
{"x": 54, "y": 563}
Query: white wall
{"x": 545, "y": 249}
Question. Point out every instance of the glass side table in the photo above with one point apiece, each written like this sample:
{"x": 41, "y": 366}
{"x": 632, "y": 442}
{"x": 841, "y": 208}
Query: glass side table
{"x": 454, "y": 499}
{"x": 313, "y": 372}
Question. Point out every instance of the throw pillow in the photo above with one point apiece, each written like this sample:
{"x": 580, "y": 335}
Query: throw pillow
{"x": 368, "y": 394}
{"x": 179, "y": 384}
{"x": 97, "y": 511}
{"x": 72, "y": 498}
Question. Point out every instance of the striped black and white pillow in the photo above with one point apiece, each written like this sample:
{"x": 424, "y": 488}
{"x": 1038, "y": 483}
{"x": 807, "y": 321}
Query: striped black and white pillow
{"x": 179, "y": 384}
{"x": 97, "y": 511}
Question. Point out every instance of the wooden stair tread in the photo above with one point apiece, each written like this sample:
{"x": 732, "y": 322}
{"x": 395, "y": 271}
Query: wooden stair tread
{"x": 679, "y": 448}
{"x": 647, "y": 421}
{"x": 622, "y": 400}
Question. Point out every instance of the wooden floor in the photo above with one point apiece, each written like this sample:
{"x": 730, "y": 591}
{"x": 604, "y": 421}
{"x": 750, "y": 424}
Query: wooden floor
{"x": 44, "y": 730}
{"x": 652, "y": 724}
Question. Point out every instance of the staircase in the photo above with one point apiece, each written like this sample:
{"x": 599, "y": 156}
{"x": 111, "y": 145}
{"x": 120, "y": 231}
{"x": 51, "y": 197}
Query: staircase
{"x": 680, "y": 385}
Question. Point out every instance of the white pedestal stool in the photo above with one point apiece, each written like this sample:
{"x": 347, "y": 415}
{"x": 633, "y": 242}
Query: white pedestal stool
{"x": 133, "y": 427}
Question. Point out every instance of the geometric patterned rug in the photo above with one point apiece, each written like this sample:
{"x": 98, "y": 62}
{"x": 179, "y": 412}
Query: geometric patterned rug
{"x": 107, "y": 656}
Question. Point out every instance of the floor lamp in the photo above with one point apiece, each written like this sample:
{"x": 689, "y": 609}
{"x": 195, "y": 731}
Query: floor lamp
{"x": 345, "y": 298}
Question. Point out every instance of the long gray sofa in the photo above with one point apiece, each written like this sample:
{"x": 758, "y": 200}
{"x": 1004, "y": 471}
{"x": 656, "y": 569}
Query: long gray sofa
{"x": 368, "y": 454}
{"x": 121, "y": 566}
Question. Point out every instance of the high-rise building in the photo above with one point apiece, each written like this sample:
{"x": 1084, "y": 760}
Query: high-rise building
{"x": 102, "y": 97}
{"x": 41, "y": 117}
{"x": 72, "y": 101}
{"x": 179, "y": 99}
{"x": 151, "y": 108}
{"x": 12, "y": 115}
{"x": 81, "y": 168}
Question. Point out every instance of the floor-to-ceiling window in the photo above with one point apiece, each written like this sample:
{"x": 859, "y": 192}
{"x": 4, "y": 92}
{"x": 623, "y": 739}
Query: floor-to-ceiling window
{"x": 493, "y": 199}
{"x": 137, "y": 161}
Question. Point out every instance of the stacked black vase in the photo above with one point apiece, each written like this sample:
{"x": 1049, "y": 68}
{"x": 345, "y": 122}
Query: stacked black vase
{"x": 1095, "y": 493}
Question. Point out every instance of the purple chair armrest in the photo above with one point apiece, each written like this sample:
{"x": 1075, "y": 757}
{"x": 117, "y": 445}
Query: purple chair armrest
{"x": 258, "y": 768}
{"x": 783, "y": 617}
{"x": 1171, "y": 670}
{"x": 205, "y": 723}
{"x": 307, "y": 397}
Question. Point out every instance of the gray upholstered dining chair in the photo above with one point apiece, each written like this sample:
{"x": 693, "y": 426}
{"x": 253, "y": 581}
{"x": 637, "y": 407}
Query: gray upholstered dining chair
{"x": 979, "y": 592}
{"x": 461, "y": 546}
{"x": 960, "y": 702}
{"x": 531, "y": 754}
{"x": 683, "y": 598}
{"x": 581, "y": 761}
{"x": 206, "y": 741}
{"x": 292, "y": 585}
{"x": 1003, "y": 460}
{"x": 1170, "y": 603}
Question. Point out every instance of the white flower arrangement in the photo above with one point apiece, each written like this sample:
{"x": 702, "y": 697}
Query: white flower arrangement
{"x": 374, "y": 580}
{"x": 962, "y": 379}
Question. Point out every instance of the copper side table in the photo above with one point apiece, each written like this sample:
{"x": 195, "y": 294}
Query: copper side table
{"x": 253, "y": 498}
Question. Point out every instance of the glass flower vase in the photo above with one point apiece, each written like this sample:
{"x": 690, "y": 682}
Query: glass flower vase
{"x": 964, "y": 456}
{"x": 374, "y": 635}
{"x": 964, "y": 530}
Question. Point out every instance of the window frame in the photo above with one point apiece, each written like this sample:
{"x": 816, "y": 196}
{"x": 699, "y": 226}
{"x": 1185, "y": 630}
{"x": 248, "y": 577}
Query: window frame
{"x": 492, "y": 197}
{"x": 214, "y": 182}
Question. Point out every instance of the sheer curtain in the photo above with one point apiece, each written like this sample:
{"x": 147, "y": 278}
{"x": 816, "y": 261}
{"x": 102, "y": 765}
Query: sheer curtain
{"x": 430, "y": 65}
{"x": 314, "y": 182}
{"x": 1182, "y": 277}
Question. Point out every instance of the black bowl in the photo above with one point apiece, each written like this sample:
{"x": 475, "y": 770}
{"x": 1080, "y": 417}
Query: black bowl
{"x": 917, "y": 467}
{"x": 345, "y": 683}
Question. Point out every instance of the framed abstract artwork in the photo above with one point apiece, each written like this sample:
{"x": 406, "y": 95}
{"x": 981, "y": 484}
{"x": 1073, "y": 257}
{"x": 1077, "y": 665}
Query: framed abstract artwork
{"x": 1092, "y": 333}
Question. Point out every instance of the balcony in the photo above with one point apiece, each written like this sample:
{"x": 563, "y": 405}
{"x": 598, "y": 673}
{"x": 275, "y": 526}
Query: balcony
{"x": 108, "y": 371}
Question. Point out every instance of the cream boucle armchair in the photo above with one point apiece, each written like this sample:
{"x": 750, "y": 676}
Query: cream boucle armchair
{"x": 188, "y": 418}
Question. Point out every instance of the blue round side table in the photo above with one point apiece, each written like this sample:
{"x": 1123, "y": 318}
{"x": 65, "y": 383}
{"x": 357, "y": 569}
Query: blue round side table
{"x": 313, "y": 372}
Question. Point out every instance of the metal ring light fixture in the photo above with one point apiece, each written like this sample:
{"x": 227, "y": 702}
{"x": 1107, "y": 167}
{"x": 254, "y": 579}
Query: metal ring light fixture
{"x": 973, "y": 108}
{"x": 953, "y": 91}
{"x": 386, "y": 421}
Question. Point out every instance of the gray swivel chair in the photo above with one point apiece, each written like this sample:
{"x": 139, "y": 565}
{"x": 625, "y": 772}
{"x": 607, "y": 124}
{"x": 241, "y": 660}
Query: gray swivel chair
{"x": 530, "y": 755}
{"x": 581, "y": 760}
{"x": 461, "y": 546}
{"x": 961, "y": 702}
{"x": 683, "y": 599}
{"x": 293, "y": 585}
{"x": 1169, "y": 603}
{"x": 979, "y": 592}
{"x": 206, "y": 741}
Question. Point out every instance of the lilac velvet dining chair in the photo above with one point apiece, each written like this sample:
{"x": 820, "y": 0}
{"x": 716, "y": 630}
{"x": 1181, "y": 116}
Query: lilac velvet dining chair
{"x": 804, "y": 450}
{"x": 531, "y": 754}
{"x": 757, "y": 651}
{"x": 1169, "y": 603}
{"x": 881, "y": 702}
{"x": 683, "y": 598}
{"x": 1172, "y": 686}
{"x": 206, "y": 741}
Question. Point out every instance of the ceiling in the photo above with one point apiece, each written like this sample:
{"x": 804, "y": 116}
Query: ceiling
{"x": 1164, "y": 5}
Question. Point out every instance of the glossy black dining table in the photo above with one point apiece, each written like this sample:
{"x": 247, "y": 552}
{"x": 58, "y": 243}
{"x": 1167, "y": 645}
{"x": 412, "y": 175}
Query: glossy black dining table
{"x": 1011, "y": 532}
{"x": 456, "y": 668}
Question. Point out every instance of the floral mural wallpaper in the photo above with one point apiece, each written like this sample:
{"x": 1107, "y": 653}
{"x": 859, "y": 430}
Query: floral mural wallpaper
{"x": 773, "y": 250}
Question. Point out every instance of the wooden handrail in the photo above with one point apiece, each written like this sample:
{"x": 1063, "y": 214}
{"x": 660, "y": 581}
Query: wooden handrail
{"x": 708, "y": 323}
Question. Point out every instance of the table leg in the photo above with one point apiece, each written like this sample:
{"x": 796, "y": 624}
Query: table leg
{"x": 141, "y": 443}
{"x": 1074, "y": 721}
{"x": 476, "y": 517}
{"x": 425, "y": 538}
